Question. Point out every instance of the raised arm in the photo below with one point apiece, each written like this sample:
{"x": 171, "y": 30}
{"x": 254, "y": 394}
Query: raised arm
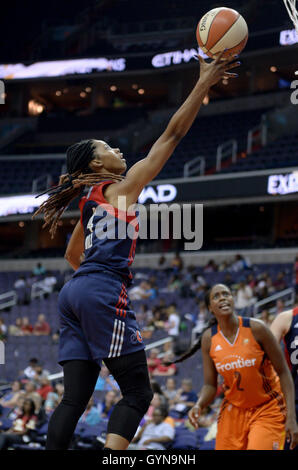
{"x": 148, "y": 168}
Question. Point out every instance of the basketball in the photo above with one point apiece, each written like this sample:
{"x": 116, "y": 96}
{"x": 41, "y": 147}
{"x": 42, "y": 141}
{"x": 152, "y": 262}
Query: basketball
{"x": 220, "y": 29}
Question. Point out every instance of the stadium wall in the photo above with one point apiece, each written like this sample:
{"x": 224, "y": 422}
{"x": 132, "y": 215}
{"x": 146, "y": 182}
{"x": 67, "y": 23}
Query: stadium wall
{"x": 262, "y": 256}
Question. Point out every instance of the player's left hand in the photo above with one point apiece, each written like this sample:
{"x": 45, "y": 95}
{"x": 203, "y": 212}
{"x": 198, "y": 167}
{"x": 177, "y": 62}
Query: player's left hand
{"x": 292, "y": 432}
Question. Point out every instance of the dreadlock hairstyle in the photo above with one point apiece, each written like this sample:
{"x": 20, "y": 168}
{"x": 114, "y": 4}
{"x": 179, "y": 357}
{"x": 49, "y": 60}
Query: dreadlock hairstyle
{"x": 197, "y": 345}
{"x": 78, "y": 157}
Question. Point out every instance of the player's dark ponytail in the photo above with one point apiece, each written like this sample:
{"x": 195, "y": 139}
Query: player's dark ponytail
{"x": 78, "y": 157}
{"x": 198, "y": 343}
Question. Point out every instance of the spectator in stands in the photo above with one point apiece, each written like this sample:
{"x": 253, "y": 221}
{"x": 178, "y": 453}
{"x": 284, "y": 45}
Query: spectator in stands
{"x": 270, "y": 287}
{"x": 17, "y": 409}
{"x": 158, "y": 400}
{"x": 210, "y": 267}
{"x": 30, "y": 372}
{"x": 10, "y": 398}
{"x": 266, "y": 317}
{"x": 223, "y": 266}
{"x": 200, "y": 321}
{"x": 168, "y": 347}
{"x": 22, "y": 426}
{"x": 250, "y": 280}
{"x": 32, "y": 279}
{"x": 174, "y": 284}
{"x": 280, "y": 306}
{"x": 185, "y": 399}
{"x": 201, "y": 291}
{"x": 187, "y": 282}
{"x": 198, "y": 316}
{"x": 154, "y": 434}
{"x": 140, "y": 292}
{"x": 280, "y": 282}
{"x": 48, "y": 283}
{"x": 170, "y": 390}
{"x": 197, "y": 285}
{"x": 41, "y": 327}
{"x": 240, "y": 263}
{"x": 45, "y": 388}
{"x": 177, "y": 264}
{"x": 153, "y": 361}
{"x": 244, "y": 296}
{"x": 144, "y": 316}
{"x": 172, "y": 325}
{"x": 164, "y": 369}
{"x": 158, "y": 318}
{"x": 30, "y": 389}
{"x": 39, "y": 270}
{"x": 107, "y": 406}
{"x": 20, "y": 286}
{"x": 27, "y": 328}
{"x": 3, "y": 330}
{"x": 152, "y": 290}
{"x": 20, "y": 282}
{"x": 261, "y": 287}
{"x": 106, "y": 381}
{"x": 53, "y": 398}
{"x": 40, "y": 375}
{"x": 91, "y": 415}
{"x": 16, "y": 329}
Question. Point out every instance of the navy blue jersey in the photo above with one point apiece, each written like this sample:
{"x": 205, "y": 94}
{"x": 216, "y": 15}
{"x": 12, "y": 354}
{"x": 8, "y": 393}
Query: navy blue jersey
{"x": 110, "y": 235}
{"x": 291, "y": 348}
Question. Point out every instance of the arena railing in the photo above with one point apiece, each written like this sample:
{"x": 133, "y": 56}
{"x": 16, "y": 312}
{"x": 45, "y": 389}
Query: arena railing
{"x": 194, "y": 167}
{"x": 156, "y": 344}
{"x": 226, "y": 150}
{"x": 4, "y": 303}
{"x": 257, "y": 136}
{"x": 36, "y": 291}
{"x": 287, "y": 293}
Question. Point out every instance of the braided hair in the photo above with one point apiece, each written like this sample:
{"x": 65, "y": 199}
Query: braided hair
{"x": 78, "y": 157}
{"x": 198, "y": 344}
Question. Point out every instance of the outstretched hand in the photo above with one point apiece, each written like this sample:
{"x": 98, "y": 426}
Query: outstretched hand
{"x": 211, "y": 73}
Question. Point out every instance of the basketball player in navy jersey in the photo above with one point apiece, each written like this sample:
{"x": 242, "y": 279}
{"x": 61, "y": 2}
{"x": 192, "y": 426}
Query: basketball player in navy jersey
{"x": 96, "y": 320}
{"x": 285, "y": 327}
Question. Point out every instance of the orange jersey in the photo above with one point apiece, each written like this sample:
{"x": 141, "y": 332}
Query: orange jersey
{"x": 249, "y": 377}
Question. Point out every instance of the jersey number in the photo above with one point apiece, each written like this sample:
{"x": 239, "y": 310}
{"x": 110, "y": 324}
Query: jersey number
{"x": 88, "y": 239}
{"x": 238, "y": 377}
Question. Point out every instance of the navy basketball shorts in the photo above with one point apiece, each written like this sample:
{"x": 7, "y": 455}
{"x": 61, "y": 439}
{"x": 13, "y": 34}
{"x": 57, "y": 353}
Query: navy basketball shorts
{"x": 96, "y": 320}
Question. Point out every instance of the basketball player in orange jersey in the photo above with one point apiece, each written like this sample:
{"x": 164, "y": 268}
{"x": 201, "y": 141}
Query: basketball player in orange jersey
{"x": 253, "y": 414}
{"x": 285, "y": 327}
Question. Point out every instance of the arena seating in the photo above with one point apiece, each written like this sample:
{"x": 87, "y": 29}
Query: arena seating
{"x": 19, "y": 349}
{"x": 205, "y": 135}
{"x": 278, "y": 154}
